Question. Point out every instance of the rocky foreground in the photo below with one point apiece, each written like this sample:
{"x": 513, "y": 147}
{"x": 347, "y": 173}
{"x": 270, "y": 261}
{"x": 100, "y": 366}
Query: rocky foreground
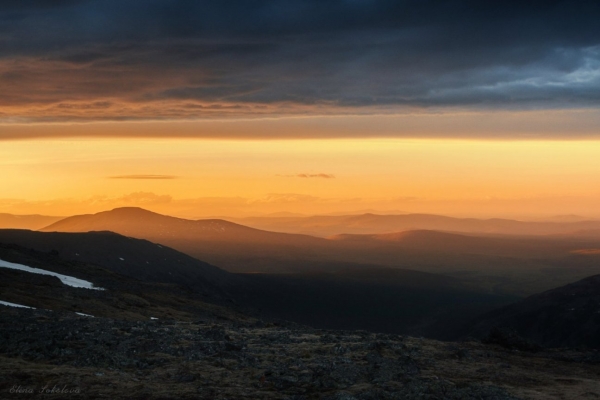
{"x": 62, "y": 355}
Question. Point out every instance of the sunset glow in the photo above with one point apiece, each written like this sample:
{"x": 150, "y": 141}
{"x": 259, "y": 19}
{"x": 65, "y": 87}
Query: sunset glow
{"x": 193, "y": 177}
{"x": 300, "y": 199}
{"x": 389, "y": 107}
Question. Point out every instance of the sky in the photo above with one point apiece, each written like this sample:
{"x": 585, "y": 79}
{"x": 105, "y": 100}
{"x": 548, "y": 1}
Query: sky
{"x": 246, "y": 107}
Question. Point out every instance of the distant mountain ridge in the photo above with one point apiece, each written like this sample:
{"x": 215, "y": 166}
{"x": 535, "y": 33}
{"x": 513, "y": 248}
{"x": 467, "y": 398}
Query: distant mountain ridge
{"x": 504, "y": 264}
{"x": 32, "y": 221}
{"x": 369, "y": 223}
{"x": 137, "y": 222}
{"x": 179, "y": 232}
{"x": 213, "y": 240}
{"x": 429, "y": 240}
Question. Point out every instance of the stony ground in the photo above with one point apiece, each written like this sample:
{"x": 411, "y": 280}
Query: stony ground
{"x": 61, "y": 355}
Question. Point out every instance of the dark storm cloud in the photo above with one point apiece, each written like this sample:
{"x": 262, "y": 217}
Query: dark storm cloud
{"x": 177, "y": 59}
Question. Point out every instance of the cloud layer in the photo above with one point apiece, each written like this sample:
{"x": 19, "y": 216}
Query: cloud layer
{"x": 71, "y": 60}
{"x": 319, "y": 175}
{"x": 143, "y": 177}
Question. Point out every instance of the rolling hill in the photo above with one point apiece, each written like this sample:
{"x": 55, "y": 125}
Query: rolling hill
{"x": 121, "y": 295}
{"x": 567, "y": 316}
{"x": 502, "y": 264}
{"x": 137, "y": 222}
{"x": 370, "y": 298}
{"x": 369, "y": 223}
{"x": 135, "y": 258}
{"x": 156, "y": 340}
{"x": 219, "y": 242}
{"x": 12, "y": 221}
{"x": 435, "y": 241}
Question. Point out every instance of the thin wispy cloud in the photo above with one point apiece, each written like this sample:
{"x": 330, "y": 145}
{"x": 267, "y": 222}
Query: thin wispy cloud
{"x": 143, "y": 177}
{"x": 325, "y": 176}
{"x": 320, "y": 175}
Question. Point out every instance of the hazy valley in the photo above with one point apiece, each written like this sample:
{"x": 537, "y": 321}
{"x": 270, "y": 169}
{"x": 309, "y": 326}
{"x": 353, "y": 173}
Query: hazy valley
{"x": 348, "y": 323}
{"x": 421, "y": 282}
{"x": 500, "y": 264}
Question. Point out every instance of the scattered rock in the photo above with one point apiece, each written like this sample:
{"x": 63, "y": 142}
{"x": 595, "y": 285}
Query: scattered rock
{"x": 509, "y": 339}
{"x": 161, "y": 359}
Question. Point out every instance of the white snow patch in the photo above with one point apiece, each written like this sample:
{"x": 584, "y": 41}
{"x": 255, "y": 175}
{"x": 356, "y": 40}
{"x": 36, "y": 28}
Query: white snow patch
{"x": 153, "y": 318}
{"x": 6, "y": 303}
{"x": 65, "y": 279}
{"x": 84, "y": 315}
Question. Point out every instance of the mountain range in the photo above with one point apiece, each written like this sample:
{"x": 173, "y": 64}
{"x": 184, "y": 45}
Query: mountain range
{"x": 12, "y": 221}
{"x": 315, "y": 280}
{"x": 164, "y": 324}
{"x": 502, "y": 264}
{"x": 343, "y": 298}
{"x": 143, "y": 274}
{"x": 370, "y": 223}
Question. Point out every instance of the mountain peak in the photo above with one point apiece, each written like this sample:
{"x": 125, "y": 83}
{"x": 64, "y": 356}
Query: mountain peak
{"x": 130, "y": 210}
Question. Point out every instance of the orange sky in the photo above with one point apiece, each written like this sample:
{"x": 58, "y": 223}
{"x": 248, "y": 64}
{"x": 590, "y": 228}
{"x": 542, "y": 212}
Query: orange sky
{"x": 207, "y": 177}
{"x": 306, "y": 107}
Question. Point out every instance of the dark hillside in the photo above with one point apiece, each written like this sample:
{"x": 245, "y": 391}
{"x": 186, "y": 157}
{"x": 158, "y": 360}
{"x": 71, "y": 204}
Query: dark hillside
{"x": 568, "y": 316}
